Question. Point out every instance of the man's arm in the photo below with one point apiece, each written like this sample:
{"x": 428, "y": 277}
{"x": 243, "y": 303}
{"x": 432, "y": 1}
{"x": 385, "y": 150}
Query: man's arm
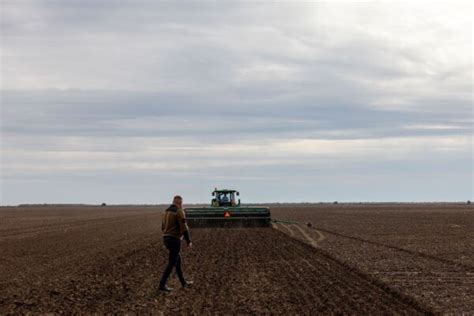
{"x": 163, "y": 218}
{"x": 183, "y": 226}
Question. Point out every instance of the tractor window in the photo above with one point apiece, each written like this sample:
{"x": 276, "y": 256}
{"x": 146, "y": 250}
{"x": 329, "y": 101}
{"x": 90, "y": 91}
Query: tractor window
{"x": 226, "y": 198}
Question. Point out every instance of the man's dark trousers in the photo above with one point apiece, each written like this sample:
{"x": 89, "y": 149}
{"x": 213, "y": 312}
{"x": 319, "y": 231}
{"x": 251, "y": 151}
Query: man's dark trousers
{"x": 174, "y": 246}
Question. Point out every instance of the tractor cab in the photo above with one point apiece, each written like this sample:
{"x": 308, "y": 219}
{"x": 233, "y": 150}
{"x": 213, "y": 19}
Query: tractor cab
{"x": 225, "y": 198}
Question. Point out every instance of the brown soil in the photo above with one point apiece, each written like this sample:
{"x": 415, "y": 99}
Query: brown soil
{"x": 421, "y": 250}
{"x": 84, "y": 259}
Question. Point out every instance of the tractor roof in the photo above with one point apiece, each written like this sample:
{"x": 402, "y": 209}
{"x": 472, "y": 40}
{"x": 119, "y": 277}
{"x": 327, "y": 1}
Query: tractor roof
{"x": 225, "y": 191}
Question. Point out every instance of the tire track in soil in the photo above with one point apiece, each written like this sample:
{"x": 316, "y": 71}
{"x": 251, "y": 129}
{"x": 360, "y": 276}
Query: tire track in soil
{"x": 377, "y": 284}
{"x": 468, "y": 267}
{"x": 303, "y": 290}
{"x": 386, "y": 294}
{"x": 236, "y": 271}
{"x": 318, "y": 231}
{"x": 295, "y": 287}
{"x": 445, "y": 287}
{"x": 300, "y": 292}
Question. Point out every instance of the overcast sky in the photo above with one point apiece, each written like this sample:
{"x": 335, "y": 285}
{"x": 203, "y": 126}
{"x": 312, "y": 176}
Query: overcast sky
{"x": 133, "y": 102}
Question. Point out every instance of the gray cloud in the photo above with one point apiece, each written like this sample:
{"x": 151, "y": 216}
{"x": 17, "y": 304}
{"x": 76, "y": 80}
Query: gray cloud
{"x": 335, "y": 99}
{"x": 114, "y": 113}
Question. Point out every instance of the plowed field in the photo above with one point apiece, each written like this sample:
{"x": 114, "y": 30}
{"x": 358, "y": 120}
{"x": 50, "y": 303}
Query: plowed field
{"x": 422, "y": 250}
{"x": 92, "y": 259}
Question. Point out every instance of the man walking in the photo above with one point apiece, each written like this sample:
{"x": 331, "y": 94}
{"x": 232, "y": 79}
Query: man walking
{"x": 174, "y": 228}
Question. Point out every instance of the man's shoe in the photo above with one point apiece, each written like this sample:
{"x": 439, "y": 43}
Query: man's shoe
{"x": 187, "y": 284}
{"x": 165, "y": 289}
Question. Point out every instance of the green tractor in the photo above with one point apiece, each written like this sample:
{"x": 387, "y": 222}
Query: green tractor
{"x": 226, "y": 211}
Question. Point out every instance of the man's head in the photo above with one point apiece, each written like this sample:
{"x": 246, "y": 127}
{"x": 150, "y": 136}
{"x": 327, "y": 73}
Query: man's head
{"x": 178, "y": 201}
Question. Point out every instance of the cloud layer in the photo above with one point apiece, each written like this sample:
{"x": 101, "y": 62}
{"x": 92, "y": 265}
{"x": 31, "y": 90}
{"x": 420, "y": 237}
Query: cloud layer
{"x": 132, "y": 102}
